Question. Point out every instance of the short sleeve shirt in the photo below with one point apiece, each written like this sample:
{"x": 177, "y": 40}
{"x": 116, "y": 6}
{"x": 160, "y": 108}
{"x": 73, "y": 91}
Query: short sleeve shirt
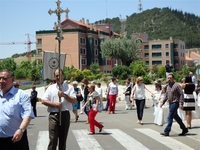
{"x": 51, "y": 94}
{"x": 14, "y": 106}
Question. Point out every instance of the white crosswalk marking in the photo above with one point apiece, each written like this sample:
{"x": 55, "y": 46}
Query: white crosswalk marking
{"x": 167, "y": 141}
{"x": 85, "y": 141}
{"x": 88, "y": 142}
{"x": 43, "y": 140}
{"x": 125, "y": 140}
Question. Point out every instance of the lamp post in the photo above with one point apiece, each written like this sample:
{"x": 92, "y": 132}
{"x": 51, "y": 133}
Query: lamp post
{"x": 58, "y": 11}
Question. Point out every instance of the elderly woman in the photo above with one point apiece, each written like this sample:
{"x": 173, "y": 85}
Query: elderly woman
{"x": 139, "y": 97}
{"x": 93, "y": 102}
{"x": 76, "y": 106}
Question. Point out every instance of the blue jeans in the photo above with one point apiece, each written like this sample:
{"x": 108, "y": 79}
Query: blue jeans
{"x": 173, "y": 115}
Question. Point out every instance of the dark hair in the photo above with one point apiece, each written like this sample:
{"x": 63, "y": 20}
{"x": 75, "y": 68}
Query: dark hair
{"x": 11, "y": 74}
{"x": 171, "y": 75}
{"x": 188, "y": 79}
{"x": 158, "y": 85}
{"x": 113, "y": 79}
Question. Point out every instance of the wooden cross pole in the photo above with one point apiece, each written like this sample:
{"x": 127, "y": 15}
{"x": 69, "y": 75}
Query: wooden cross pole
{"x": 58, "y": 11}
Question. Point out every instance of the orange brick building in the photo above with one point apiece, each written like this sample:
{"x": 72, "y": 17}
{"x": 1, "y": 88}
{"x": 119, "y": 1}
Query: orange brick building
{"x": 81, "y": 43}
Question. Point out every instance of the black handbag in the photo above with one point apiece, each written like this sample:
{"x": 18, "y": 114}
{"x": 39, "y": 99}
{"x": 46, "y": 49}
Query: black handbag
{"x": 79, "y": 98}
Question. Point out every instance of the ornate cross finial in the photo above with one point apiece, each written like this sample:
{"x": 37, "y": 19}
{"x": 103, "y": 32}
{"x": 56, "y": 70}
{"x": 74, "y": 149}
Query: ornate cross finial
{"x": 58, "y": 11}
{"x": 67, "y": 12}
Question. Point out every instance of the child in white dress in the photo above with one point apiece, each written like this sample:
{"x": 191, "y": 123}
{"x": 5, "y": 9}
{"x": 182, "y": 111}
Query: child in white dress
{"x": 156, "y": 96}
{"x": 162, "y": 113}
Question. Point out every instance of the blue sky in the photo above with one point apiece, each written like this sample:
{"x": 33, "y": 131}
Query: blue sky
{"x": 19, "y": 17}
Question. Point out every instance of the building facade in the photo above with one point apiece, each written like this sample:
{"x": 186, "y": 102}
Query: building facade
{"x": 158, "y": 52}
{"x": 81, "y": 43}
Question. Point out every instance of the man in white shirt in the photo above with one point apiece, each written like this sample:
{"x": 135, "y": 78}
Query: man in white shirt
{"x": 51, "y": 99}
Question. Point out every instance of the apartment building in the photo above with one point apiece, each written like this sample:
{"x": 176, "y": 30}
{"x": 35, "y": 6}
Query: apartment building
{"x": 157, "y": 52}
{"x": 81, "y": 43}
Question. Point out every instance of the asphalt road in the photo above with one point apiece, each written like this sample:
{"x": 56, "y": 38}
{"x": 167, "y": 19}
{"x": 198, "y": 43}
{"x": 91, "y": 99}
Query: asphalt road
{"x": 120, "y": 132}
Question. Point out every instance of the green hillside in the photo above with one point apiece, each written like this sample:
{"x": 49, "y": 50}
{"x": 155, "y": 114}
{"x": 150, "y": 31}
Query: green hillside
{"x": 161, "y": 24}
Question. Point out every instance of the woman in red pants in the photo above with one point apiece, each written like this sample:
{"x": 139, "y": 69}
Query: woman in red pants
{"x": 112, "y": 92}
{"x": 94, "y": 103}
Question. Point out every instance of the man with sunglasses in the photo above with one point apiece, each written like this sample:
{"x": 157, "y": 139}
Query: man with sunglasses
{"x": 15, "y": 115}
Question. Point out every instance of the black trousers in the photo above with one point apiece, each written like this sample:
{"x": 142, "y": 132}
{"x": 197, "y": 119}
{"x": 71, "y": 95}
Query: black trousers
{"x": 7, "y": 143}
{"x": 33, "y": 104}
{"x": 57, "y": 131}
{"x": 140, "y": 108}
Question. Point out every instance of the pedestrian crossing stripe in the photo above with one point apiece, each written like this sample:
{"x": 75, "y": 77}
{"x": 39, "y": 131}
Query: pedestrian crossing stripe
{"x": 125, "y": 140}
{"x": 86, "y": 141}
{"x": 42, "y": 140}
{"x": 169, "y": 142}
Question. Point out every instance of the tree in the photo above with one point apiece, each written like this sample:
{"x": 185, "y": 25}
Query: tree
{"x": 23, "y": 70}
{"x": 121, "y": 48}
{"x": 35, "y": 72}
{"x": 94, "y": 68}
{"x": 8, "y": 64}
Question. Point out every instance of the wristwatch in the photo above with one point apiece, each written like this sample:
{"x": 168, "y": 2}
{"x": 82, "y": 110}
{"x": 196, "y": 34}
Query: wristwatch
{"x": 22, "y": 130}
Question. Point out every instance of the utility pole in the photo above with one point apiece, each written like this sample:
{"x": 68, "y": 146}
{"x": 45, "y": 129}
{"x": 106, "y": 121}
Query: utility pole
{"x": 58, "y": 11}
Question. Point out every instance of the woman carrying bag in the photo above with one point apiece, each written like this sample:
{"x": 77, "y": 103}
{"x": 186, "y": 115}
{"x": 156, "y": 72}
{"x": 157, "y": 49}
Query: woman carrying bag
{"x": 94, "y": 103}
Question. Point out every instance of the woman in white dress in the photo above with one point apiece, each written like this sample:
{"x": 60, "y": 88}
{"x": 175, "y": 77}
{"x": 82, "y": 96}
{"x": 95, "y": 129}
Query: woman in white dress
{"x": 162, "y": 113}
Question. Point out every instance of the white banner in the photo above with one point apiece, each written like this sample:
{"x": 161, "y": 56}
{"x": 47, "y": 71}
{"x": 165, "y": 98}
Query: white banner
{"x": 51, "y": 63}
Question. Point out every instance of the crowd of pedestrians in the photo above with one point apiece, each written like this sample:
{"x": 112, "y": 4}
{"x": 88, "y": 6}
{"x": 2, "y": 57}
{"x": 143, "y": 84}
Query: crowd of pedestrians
{"x": 60, "y": 98}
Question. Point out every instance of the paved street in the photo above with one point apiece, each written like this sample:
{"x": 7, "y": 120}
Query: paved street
{"x": 120, "y": 132}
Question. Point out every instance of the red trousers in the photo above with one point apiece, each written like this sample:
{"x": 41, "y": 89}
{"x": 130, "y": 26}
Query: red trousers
{"x": 93, "y": 122}
{"x": 112, "y": 103}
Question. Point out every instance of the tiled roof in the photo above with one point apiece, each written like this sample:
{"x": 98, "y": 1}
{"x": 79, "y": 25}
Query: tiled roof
{"x": 84, "y": 25}
{"x": 188, "y": 58}
{"x": 196, "y": 54}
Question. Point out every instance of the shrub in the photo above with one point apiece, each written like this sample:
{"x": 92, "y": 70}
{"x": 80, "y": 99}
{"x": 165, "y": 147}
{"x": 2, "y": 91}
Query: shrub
{"x": 147, "y": 80}
{"x": 121, "y": 72}
{"x": 161, "y": 72}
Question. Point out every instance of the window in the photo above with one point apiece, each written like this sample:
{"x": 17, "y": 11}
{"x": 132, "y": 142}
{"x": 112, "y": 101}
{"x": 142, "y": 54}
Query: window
{"x": 96, "y": 52}
{"x": 146, "y": 47}
{"x": 158, "y": 46}
{"x": 157, "y": 62}
{"x": 175, "y": 45}
{"x": 96, "y": 61}
{"x": 156, "y": 54}
{"x": 82, "y": 41}
{"x": 107, "y": 62}
{"x": 167, "y": 53}
{"x": 146, "y": 55}
{"x": 83, "y": 51}
{"x": 176, "y": 62}
{"x": 147, "y": 62}
{"x": 39, "y": 42}
{"x": 175, "y": 53}
{"x": 166, "y": 45}
{"x": 96, "y": 42}
{"x": 83, "y": 61}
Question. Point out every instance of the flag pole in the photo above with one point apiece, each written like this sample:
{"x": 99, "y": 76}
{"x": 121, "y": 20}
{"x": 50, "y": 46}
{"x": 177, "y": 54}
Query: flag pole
{"x": 58, "y": 11}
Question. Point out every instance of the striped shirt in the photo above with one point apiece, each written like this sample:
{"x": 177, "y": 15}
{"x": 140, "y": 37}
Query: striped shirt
{"x": 174, "y": 94}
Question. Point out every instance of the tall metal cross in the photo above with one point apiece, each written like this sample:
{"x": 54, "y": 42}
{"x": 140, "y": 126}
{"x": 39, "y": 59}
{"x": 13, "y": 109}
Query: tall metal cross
{"x": 58, "y": 11}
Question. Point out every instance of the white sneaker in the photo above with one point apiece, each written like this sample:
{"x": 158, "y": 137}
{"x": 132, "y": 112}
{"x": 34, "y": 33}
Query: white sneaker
{"x": 126, "y": 108}
{"x": 81, "y": 113}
